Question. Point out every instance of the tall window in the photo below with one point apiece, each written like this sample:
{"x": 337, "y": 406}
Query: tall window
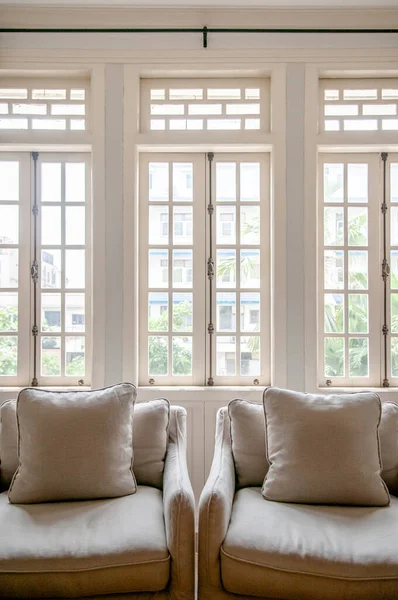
{"x": 198, "y": 325}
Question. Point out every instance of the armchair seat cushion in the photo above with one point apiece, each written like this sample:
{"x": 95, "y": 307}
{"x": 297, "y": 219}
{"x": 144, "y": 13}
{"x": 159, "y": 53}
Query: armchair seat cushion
{"x": 75, "y": 549}
{"x": 297, "y": 551}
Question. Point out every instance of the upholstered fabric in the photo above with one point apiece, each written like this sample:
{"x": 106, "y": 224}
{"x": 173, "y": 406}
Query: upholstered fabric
{"x": 89, "y": 547}
{"x": 248, "y": 442}
{"x": 150, "y": 438}
{"x": 336, "y": 545}
{"x": 74, "y": 445}
{"x": 388, "y": 433}
{"x": 323, "y": 449}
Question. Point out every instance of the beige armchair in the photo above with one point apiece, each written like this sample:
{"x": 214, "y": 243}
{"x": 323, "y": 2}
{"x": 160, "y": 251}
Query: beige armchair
{"x": 136, "y": 546}
{"x": 253, "y": 548}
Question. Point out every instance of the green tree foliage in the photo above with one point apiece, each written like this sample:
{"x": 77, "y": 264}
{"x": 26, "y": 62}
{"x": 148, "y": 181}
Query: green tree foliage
{"x": 8, "y": 344}
{"x": 158, "y": 348}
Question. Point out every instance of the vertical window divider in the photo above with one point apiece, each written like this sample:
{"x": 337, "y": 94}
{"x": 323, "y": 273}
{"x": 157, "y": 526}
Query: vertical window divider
{"x": 34, "y": 271}
{"x": 210, "y": 270}
{"x": 385, "y": 268}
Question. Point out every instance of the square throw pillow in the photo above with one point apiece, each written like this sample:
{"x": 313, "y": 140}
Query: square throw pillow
{"x": 74, "y": 445}
{"x": 323, "y": 449}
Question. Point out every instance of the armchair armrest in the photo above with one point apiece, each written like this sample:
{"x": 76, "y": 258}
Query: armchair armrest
{"x": 179, "y": 510}
{"x": 215, "y": 508}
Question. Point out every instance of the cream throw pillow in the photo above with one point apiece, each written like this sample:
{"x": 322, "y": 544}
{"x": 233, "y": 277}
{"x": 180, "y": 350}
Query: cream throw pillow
{"x": 323, "y": 449}
{"x": 74, "y": 445}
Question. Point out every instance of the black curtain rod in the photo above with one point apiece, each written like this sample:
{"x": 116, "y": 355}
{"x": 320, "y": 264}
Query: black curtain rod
{"x": 203, "y": 30}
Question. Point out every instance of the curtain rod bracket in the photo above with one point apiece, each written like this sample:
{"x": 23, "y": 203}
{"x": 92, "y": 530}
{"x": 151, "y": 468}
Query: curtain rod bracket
{"x": 204, "y": 37}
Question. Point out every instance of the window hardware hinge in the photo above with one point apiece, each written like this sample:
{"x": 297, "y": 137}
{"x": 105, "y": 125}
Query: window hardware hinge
{"x": 35, "y": 330}
{"x": 34, "y": 271}
{"x": 256, "y": 381}
{"x": 384, "y": 208}
{"x": 328, "y": 382}
{"x": 384, "y": 330}
{"x": 151, "y": 381}
{"x": 210, "y": 268}
{"x": 34, "y": 383}
{"x": 386, "y": 383}
{"x": 80, "y": 382}
{"x": 385, "y": 269}
{"x": 210, "y": 381}
{"x": 210, "y": 328}
{"x": 384, "y": 156}
{"x": 35, "y": 210}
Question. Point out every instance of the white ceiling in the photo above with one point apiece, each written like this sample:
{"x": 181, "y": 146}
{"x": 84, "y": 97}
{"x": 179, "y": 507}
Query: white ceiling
{"x": 211, "y": 3}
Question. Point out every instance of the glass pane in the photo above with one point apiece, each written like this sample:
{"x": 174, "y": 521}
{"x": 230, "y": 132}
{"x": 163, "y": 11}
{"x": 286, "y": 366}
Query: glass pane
{"x": 51, "y": 182}
{"x": 8, "y": 312}
{"x": 182, "y": 268}
{"x": 358, "y": 313}
{"x": 249, "y": 224}
{"x": 226, "y": 355}
{"x": 394, "y": 225}
{"x": 9, "y": 224}
{"x": 226, "y": 268}
{"x": 75, "y": 349}
{"x": 51, "y": 356}
{"x": 393, "y": 182}
{"x": 394, "y": 313}
{"x": 158, "y": 225}
{"x": 334, "y": 357}
{"x": 8, "y": 268}
{"x": 250, "y": 268}
{"x": 182, "y": 311}
{"x": 75, "y": 269}
{"x": 51, "y": 225}
{"x": 250, "y": 311}
{"x": 158, "y": 268}
{"x": 75, "y": 313}
{"x": 358, "y": 270}
{"x": 182, "y": 355}
{"x": 357, "y": 183}
{"x": 158, "y": 352}
{"x": 182, "y": 225}
{"x": 158, "y": 311}
{"x": 333, "y": 226}
{"x": 9, "y": 180}
{"x": 250, "y": 355}
{"x": 158, "y": 182}
{"x": 51, "y": 312}
{"x": 226, "y": 311}
{"x": 182, "y": 182}
{"x": 333, "y": 182}
{"x": 225, "y": 182}
{"x": 393, "y": 267}
{"x": 334, "y": 313}
{"x": 394, "y": 356}
{"x": 334, "y": 269}
{"x": 50, "y": 269}
{"x": 8, "y": 355}
{"x": 249, "y": 182}
{"x": 226, "y": 224}
{"x": 75, "y": 225}
{"x": 75, "y": 182}
{"x": 358, "y": 353}
{"x": 357, "y": 226}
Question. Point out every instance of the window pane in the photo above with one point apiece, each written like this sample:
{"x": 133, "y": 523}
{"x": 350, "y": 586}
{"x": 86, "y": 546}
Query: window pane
{"x": 333, "y": 226}
{"x": 182, "y": 182}
{"x": 51, "y": 182}
{"x": 182, "y": 312}
{"x": 357, "y": 183}
{"x": 75, "y": 182}
{"x": 8, "y": 312}
{"x": 357, "y": 226}
{"x": 333, "y": 182}
{"x": 158, "y": 311}
{"x": 249, "y": 224}
{"x": 334, "y": 357}
{"x": 250, "y": 355}
{"x": 75, "y": 316}
{"x": 250, "y": 268}
{"x": 358, "y": 320}
{"x": 182, "y": 355}
{"x": 226, "y": 268}
{"x": 394, "y": 225}
{"x": 250, "y": 311}
{"x": 75, "y": 348}
{"x": 75, "y": 225}
{"x": 358, "y": 270}
{"x": 159, "y": 182}
{"x": 249, "y": 182}
{"x": 334, "y": 313}
{"x": 226, "y": 224}
{"x": 51, "y": 312}
{"x": 394, "y": 313}
{"x": 158, "y": 350}
{"x": 9, "y": 225}
{"x": 358, "y": 357}
{"x": 225, "y": 182}
{"x": 158, "y": 225}
{"x": 51, "y": 225}
{"x": 158, "y": 268}
{"x": 334, "y": 269}
{"x": 394, "y": 357}
{"x": 75, "y": 268}
{"x": 50, "y": 269}
{"x": 9, "y": 180}
{"x": 182, "y": 225}
{"x": 182, "y": 268}
{"x": 394, "y": 269}
{"x": 394, "y": 182}
{"x": 8, "y": 355}
{"x": 51, "y": 356}
{"x": 8, "y": 268}
{"x": 226, "y": 355}
{"x": 226, "y": 311}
